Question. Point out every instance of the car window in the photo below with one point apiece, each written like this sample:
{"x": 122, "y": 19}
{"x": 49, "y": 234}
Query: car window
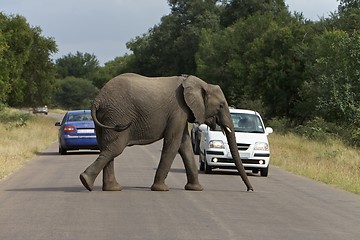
{"x": 246, "y": 123}
{"x": 79, "y": 117}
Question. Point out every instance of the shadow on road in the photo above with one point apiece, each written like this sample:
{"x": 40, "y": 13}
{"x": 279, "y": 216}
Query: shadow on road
{"x": 69, "y": 153}
{"x": 214, "y": 172}
{"x": 52, "y": 189}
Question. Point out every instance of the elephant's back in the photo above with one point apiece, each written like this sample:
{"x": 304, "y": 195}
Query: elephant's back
{"x": 131, "y": 84}
{"x": 131, "y": 90}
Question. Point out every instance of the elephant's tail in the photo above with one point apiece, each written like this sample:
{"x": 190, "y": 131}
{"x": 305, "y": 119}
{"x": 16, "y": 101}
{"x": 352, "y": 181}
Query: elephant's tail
{"x": 118, "y": 128}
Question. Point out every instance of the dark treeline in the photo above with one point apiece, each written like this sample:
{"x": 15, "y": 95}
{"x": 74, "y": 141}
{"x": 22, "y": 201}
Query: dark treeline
{"x": 293, "y": 70}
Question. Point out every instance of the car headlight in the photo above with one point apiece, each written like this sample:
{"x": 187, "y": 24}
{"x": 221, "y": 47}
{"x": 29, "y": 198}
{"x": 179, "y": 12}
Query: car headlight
{"x": 216, "y": 144}
{"x": 261, "y": 146}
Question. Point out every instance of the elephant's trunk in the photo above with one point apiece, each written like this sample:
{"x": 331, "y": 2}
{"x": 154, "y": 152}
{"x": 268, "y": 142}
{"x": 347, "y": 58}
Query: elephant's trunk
{"x": 230, "y": 135}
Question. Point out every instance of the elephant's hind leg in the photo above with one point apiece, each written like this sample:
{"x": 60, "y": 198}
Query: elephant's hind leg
{"x": 109, "y": 180}
{"x": 187, "y": 155}
{"x": 169, "y": 151}
{"x": 88, "y": 177}
{"x": 105, "y": 161}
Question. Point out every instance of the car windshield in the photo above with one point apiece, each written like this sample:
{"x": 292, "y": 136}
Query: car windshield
{"x": 246, "y": 123}
{"x": 80, "y": 117}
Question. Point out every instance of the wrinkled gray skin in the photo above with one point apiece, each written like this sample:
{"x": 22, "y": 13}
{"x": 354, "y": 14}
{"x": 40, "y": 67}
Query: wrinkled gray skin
{"x": 136, "y": 110}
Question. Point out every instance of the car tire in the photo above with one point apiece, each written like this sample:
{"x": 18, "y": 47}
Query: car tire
{"x": 264, "y": 172}
{"x": 197, "y": 145}
{"x": 201, "y": 164}
{"x": 62, "y": 151}
{"x": 208, "y": 169}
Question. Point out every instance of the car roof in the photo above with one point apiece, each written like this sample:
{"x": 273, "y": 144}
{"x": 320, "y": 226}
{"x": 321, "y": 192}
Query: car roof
{"x": 235, "y": 110}
{"x": 78, "y": 111}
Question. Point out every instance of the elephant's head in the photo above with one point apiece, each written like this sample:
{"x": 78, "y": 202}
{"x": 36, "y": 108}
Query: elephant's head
{"x": 208, "y": 104}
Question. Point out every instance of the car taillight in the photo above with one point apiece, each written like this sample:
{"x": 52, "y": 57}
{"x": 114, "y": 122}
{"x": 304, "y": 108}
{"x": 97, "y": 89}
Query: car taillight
{"x": 69, "y": 129}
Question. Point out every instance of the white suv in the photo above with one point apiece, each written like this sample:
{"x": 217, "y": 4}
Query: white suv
{"x": 251, "y": 138}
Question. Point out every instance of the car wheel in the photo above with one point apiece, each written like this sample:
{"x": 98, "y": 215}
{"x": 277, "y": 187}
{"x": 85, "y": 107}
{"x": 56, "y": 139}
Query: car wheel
{"x": 208, "y": 169}
{"x": 197, "y": 145}
{"x": 62, "y": 151}
{"x": 264, "y": 172}
{"x": 201, "y": 164}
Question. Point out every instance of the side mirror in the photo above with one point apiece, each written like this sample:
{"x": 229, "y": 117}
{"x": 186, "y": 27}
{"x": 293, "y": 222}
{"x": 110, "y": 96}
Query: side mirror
{"x": 203, "y": 127}
{"x": 58, "y": 124}
{"x": 268, "y": 130}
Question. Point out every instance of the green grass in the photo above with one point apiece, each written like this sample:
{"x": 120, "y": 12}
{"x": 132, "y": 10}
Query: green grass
{"x": 330, "y": 162}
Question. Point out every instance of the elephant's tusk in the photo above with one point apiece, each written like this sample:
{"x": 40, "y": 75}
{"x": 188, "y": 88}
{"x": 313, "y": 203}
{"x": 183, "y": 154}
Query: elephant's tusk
{"x": 228, "y": 129}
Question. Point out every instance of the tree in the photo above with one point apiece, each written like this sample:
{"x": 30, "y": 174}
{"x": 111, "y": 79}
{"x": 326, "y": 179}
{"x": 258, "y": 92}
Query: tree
{"x": 111, "y": 69}
{"x": 169, "y": 48}
{"x": 15, "y": 34}
{"x": 80, "y": 65}
{"x": 26, "y": 71}
{"x": 39, "y": 71}
{"x": 348, "y": 18}
{"x": 74, "y": 93}
{"x": 235, "y": 10}
{"x": 257, "y": 59}
{"x": 333, "y": 89}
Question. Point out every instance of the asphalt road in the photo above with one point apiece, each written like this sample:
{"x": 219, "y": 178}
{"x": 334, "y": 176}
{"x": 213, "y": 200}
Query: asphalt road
{"x": 45, "y": 200}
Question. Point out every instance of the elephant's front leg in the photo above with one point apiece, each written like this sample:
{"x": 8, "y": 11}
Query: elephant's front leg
{"x": 109, "y": 180}
{"x": 189, "y": 162}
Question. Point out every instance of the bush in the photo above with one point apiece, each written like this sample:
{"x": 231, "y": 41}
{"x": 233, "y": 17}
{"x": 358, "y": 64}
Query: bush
{"x": 14, "y": 118}
{"x": 7, "y": 115}
{"x": 280, "y": 125}
{"x": 74, "y": 93}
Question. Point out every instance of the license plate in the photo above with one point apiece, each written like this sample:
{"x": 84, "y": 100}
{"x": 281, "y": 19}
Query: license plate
{"x": 245, "y": 155}
{"x": 85, "y": 131}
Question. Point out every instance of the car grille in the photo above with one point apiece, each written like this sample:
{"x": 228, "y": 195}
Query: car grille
{"x": 261, "y": 155}
{"x": 214, "y": 153}
{"x": 248, "y": 161}
{"x": 243, "y": 146}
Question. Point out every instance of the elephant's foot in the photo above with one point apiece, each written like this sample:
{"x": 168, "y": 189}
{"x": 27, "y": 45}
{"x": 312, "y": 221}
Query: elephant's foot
{"x": 159, "y": 187}
{"x": 87, "y": 181}
{"x": 193, "y": 187}
{"x": 113, "y": 186}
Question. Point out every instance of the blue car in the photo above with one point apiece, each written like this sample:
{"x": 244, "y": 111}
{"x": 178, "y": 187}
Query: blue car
{"x": 77, "y": 131}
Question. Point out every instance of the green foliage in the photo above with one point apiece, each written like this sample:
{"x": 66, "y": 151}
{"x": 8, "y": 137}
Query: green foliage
{"x": 25, "y": 67}
{"x": 80, "y": 65}
{"x": 14, "y": 119}
{"x": 74, "y": 93}
{"x": 169, "y": 48}
{"x": 316, "y": 129}
{"x": 260, "y": 57}
{"x": 39, "y": 72}
{"x": 240, "y": 9}
{"x": 333, "y": 88}
{"x": 280, "y": 125}
{"x": 111, "y": 69}
{"x": 16, "y": 37}
{"x": 348, "y": 16}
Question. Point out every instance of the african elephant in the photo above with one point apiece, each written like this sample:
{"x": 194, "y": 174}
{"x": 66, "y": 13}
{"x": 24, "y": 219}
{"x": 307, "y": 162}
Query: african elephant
{"x": 135, "y": 110}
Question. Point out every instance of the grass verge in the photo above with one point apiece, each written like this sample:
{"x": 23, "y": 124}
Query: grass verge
{"x": 330, "y": 162}
{"x": 22, "y": 136}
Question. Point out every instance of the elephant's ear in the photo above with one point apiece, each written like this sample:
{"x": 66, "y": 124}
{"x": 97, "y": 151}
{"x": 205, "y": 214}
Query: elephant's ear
{"x": 194, "y": 94}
